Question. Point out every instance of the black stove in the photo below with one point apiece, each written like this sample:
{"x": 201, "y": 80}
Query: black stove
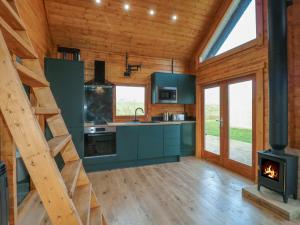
{"x": 278, "y": 173}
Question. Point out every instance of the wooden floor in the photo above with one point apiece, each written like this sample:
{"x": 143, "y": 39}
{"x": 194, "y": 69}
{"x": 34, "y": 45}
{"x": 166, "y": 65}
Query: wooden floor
{"x": 190, "y": 192}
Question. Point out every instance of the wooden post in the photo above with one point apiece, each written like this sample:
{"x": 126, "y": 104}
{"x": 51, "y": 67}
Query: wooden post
{"x": 8, "y": 156}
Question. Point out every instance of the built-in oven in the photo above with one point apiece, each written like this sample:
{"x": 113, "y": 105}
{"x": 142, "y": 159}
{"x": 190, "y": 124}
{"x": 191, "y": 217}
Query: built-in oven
{"x": 167, "y": 95}
{"x": 100, "y": 141}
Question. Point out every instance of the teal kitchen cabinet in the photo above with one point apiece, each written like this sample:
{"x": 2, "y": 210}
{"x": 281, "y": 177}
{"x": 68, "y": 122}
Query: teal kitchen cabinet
{"x": 150, "y": 143}
{"x": 172, "y": 140}
{"x": 186, "y": 86}
{"x": 67, "y": 84}
{"x": 164, "y": 79}
{"x": 186, "y": 89}
{"x": 188, "y": 139}
{"x": 66, "y": 79}
{"x": 140, "y": 145}
{"x": 127, "y": 143}
{"x": 161, "y": 80}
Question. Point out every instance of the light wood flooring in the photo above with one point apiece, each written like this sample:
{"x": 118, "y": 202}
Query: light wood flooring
{"x": 191, "y": 192}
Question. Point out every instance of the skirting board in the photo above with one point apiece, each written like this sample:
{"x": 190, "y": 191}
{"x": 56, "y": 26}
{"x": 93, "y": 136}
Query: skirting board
{"x": 273, "y": 201}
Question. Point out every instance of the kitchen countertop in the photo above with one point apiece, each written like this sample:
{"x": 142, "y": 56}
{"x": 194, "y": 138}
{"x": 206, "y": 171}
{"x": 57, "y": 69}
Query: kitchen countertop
{"x": 158, "y": 123}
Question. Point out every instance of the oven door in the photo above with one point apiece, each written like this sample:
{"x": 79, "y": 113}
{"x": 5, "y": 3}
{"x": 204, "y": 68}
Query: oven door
{"x": 100, "y": 144}
{"x": 167, "y": 95}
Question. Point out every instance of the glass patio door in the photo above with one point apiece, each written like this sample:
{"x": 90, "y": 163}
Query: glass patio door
{"x": 212, "y": 122}
{"x": 228, "y": 128}
{"x": 240, "y": 101}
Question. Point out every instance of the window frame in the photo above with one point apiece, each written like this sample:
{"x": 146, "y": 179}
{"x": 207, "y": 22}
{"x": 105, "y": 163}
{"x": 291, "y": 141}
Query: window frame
{"x": 117, "y": 118}
{"x": 258, "y": 41}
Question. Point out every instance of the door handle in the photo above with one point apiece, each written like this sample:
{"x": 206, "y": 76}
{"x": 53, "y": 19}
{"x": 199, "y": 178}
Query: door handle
{"x": 220, "y": 121}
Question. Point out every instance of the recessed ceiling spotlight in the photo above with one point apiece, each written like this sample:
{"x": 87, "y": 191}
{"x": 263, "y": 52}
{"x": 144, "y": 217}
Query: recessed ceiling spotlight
{"x": 126, "y": 7}
{"x": 98, "y": 1}
{"x": 174, "y": 17}
{"x": 151, "y": 12}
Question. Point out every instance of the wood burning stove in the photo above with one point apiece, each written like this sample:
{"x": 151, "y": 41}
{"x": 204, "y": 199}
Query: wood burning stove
{"x": 278, "y": 171}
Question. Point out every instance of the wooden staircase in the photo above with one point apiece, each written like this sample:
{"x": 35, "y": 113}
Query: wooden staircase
{"x": 60, "y": 197}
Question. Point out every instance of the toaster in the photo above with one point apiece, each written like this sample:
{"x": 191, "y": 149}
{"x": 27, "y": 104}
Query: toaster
{"x": 178, "y": 117}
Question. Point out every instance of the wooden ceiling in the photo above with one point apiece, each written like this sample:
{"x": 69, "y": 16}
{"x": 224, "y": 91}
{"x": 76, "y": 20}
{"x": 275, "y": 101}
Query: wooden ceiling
{"x": 108, "y": 28}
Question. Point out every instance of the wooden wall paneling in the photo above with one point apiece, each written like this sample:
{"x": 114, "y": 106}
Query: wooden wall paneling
{"x": 34, "y": 16}
{"x": 190, "y": 110}
{"x": 8, "y": 156}
{"x": 199, "y": 120}
{"x": 260, "y": 106}
{"x": 294, "y": 74}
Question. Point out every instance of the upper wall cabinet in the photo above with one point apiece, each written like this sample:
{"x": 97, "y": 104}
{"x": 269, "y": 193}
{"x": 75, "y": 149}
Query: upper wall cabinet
{"x": 185, "y": 84}
{"x": 186, "y": 89}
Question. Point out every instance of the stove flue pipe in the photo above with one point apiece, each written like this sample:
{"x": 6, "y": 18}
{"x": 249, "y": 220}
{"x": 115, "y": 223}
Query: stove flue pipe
{"x": 278, "y": 74}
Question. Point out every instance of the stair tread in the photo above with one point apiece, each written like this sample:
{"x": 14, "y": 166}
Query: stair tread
{"x": 45, "y": 111}
{"x": 70, "y": 174}
{"x": 31, "y": 211}
{"x": 45, "y": 98}
{"x": 10, "y": 16}
{"x": 96, "y": 216}
{"x": 82, "y": 202}
{"x": 16, "y": 43}
{"x": 30, "y": 78}
{"x": 56, "y": 144}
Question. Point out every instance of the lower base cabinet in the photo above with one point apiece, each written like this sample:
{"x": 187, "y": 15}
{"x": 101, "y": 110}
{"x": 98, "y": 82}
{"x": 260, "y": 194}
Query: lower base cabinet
{"x": 127, "y": 145}
{"x": 150, "y": 142}
{"x": 171, "y": 140}
{"x": 188, "y": 139}
{"x": 140, "y": 145}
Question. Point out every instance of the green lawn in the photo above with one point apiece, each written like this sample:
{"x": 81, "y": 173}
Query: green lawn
{"x": 244, "y": 135}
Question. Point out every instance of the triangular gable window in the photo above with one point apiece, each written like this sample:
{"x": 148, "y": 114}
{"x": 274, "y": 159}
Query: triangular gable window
{"x": 237, "y": 27}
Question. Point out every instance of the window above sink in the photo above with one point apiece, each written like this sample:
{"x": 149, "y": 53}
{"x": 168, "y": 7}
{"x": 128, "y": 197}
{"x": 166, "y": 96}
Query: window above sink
{"x": 128, "y": 99}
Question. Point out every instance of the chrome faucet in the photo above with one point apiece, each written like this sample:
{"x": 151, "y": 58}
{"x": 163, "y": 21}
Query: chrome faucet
{"x": 135, "y": 120}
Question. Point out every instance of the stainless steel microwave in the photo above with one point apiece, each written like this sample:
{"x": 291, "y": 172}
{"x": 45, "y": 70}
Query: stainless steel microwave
{"x": 167, "y": 95}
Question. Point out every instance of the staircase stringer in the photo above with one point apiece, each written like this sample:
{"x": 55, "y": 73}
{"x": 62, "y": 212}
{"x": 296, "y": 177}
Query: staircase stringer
{"x": 30, "y": 140}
